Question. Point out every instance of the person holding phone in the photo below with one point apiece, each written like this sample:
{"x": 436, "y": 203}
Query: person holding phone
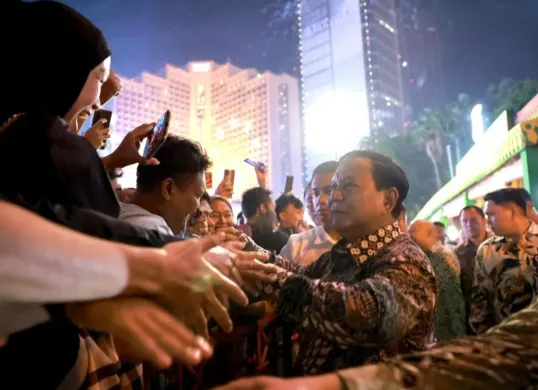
{"x": 226, "y": 186}
{"x": 168, "y": 193}
{"x": 68, "y": 180}
{"x": 111, "y": 88}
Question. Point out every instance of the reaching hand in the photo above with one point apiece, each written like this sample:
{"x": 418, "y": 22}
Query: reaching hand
{"x": 232, "y": 262}
{"x": 262, "y": 177}
{"x": 98, "y": 133}
{"x": 225, "y": 188}
{"x": 112, "y": 87}
{"x": 251, "y": 268}
{"x": 302, "y": 226}
{"x": 190, "y": 284}
{"x": 145, "y": 331}
{"x": 127, "y": 153}
{"x": 232, "y": 234}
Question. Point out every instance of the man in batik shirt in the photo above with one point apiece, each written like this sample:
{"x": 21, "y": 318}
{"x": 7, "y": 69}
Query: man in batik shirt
{"x": 505, "y": 272}
{"x": 374, "y": 294}
{"x": 450, "y": 312}
{"x": 473, "y": 225}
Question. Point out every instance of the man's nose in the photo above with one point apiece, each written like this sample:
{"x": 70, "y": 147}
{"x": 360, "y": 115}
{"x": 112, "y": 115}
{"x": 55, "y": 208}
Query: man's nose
{"x": 336, "y": 195}
{"x": 96, "y": 105}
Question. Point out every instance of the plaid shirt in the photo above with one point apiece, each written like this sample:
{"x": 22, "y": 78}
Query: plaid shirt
{"x": 362, "y": 302}
{"x": 98, "y": 367}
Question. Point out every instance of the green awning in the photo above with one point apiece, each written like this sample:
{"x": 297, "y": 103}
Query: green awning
{"x": 489, "y": 156}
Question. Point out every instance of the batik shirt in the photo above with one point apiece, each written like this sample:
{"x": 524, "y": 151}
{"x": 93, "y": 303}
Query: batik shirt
{"x": 503, "y": 358}
{"x": 505, "y": 279}
{"x": 466, "y": 253}
{"x": 450, "y": 317}
{"x": 361, "y": 302}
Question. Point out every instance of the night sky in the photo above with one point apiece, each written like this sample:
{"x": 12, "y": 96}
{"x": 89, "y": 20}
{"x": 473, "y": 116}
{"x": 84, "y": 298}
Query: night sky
{"x": 483, "y": 41}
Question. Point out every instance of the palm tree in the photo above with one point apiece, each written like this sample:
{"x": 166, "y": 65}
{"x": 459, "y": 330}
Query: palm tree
{"x": 410, "y": 154}
{"x": 429, "y": 130}
{"x": 459, "y": 132}
{"x": 510, "y": 95}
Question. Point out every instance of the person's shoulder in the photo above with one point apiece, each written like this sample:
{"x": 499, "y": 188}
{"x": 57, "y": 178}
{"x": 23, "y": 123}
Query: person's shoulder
{"x": 490, "y": 243}
{"x": 304, "y": 235}
{"x": 462, "y": 246}
{"x": 281, "y": 236}
{"x": 403, "y": 248}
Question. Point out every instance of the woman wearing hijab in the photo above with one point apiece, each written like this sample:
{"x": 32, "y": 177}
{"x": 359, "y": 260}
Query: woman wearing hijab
{"x": 51, "y": 76}
{"x": 54, "y": 74}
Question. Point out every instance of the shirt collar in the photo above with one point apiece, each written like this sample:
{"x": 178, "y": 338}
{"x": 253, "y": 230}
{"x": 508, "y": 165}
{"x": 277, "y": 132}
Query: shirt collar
{"x": 370, "y": 245}
{"x": 529, "y": 235}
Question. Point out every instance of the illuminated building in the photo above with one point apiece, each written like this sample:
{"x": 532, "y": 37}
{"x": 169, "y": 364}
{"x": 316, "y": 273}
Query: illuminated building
{"x": 424, "y": 82}
{"x": 351, "y": 74}
{"x": 234, "y": 113}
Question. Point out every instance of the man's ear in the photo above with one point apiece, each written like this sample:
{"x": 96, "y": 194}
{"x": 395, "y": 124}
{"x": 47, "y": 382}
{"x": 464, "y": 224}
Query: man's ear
{"x": 167, "y": 188}
{"x": 391, "y": 198}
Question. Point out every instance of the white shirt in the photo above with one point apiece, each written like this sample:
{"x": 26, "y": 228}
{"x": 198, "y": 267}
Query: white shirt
{"x": 305, "y": 248}
{"x": 136, "y": 215}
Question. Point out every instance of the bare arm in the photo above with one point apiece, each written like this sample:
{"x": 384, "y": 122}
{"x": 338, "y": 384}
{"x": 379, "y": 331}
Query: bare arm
{"x": 43, "y": 262}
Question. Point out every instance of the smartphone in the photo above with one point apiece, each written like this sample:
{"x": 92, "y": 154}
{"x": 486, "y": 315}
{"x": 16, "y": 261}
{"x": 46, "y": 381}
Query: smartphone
{"x": 289, "y": 185}
{"x": 158, "y": 136}
{"x": 100, "y": 114}
{"x": 230, "y": 175}
{"x": 208, "y": 180}
{"x": 257, "y": 164}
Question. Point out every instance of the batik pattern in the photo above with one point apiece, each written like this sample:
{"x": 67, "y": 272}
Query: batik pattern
{"x": 505, "y": 279}
{"x": 361, "y": 302}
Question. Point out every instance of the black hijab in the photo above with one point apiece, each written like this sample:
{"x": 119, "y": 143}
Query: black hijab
{"x": 48, "y": 59}
{"x": 39, "y": 158}
{"x": 48, "y": 66}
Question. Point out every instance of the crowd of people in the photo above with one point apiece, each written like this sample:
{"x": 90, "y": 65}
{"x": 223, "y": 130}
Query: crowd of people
{"x": 96, "y": 280}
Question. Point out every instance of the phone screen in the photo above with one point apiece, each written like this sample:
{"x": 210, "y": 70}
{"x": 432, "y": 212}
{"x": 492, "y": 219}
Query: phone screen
{"x": 232, "y": 177}
{"x": 261, "y": 166}
{"x": 208, "y": 180}
{"x": 99, "y": 114}
{"x": 289, "y": 184}
{"x": 158, "y": 136}
{"x": 229, "y": 174}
